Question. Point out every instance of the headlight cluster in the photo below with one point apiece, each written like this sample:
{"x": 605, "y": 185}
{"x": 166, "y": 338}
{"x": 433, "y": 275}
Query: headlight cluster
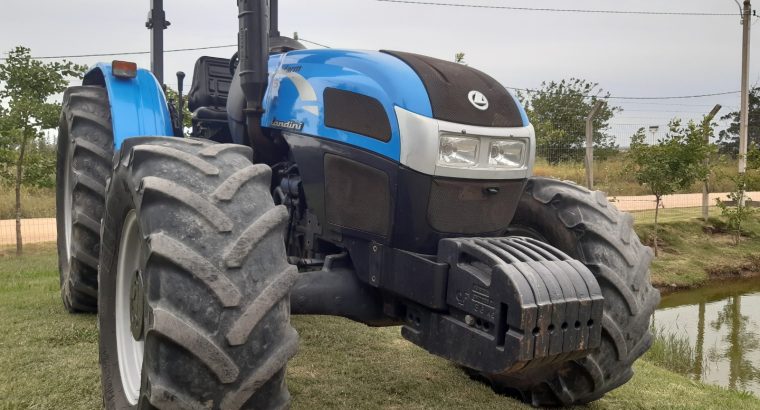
{"x": 464, "y": 152}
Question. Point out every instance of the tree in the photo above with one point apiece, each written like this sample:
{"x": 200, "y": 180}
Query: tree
{"x": 459, "y": 58}
{"x": 172, "y": 97}
{"x": 728, "y": 139}
{"x": 28, "y": 86}
{"x": 673, "y": 163}
{"x": 753, "y": 158}
{"x": 736, "y": 210}
{"x": 558, "y": 111}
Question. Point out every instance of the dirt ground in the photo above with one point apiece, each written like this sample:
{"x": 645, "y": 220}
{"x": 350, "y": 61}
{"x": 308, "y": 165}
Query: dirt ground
{"x": 32, "y": 231}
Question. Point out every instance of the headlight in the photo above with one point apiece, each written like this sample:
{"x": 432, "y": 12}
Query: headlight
{"x": 507, "y": 154}
{"x": 458, "y": 151}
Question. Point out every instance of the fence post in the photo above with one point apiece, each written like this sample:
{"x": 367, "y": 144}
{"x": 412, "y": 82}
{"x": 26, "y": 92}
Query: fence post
{"x": 590, "y": 144}
{"x": 705, "y": 190}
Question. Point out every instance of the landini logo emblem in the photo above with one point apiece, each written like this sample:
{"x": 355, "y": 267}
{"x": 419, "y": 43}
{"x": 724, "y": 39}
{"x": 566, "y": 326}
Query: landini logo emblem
{"x": 288, "y": 125}
{"x": 478, "y": 100}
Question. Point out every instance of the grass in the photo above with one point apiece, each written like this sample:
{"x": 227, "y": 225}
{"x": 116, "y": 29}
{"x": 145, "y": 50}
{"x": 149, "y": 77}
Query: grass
{"x": 35, "y": 203}
{"x": 672, "y": 351}
{"x": 672, "y": 215}
{"x": 49, "y": 361}
{"x": 692, "y": 252}
{"x": 611, "y": 176}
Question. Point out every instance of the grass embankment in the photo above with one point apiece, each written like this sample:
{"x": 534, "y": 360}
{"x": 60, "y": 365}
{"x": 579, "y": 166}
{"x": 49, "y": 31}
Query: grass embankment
{"x": 35, "y": 203}
{"x": 49, "y": 361}
{"x": 693, "y": 252}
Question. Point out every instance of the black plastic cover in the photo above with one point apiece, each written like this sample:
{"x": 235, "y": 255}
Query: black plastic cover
{"x": 449, "y": 85}
{"x": 358, "y": 113}
{"x": 357, "y": 196}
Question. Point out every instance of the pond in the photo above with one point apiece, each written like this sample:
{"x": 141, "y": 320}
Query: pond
{"x": 722, "y": 325}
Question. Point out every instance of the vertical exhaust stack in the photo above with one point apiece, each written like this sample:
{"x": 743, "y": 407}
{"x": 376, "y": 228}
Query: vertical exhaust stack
{"x": 157, "y": 24}
{"x": 253, "y": 48}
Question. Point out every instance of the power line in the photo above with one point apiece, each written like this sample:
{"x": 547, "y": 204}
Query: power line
{"x": 674, "y": 111}
{"x": 175, "y": 50}
{"x": 679, "y": 97}
{"x": 129, "y": 53}
{"x": 670, "y": 104}
{"x": 584, "y": 11}
{"x": 312, "y": 42}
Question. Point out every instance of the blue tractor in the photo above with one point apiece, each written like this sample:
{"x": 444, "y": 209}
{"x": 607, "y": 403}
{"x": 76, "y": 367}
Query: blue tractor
{"x": 382, "y": 186}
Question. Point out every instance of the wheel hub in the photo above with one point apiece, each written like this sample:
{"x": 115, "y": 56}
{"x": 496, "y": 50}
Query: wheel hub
{"x": 136, "y": 306}
{"x": 68, "y": 203}
{"x": 129, "y": 307}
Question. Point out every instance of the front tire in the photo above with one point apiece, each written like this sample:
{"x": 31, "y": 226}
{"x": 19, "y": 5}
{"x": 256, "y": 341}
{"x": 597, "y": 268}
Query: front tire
{"x": 584, "y": 225}
{"x": 85, "y": 151}
{"x": 191, "y": 230}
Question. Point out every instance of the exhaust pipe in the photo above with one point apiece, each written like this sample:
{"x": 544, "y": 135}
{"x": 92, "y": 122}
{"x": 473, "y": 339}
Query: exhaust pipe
{"x": 253, "y": 51}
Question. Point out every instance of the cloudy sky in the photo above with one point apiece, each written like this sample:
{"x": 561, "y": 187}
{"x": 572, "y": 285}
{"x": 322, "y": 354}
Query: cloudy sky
{"x": 629, "y": 55}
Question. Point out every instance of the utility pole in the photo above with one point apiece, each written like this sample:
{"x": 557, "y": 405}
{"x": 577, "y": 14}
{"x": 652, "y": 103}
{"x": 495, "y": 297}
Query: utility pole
{"x": 705, "y": 192}
{"x": 157, "y": 24}
{"x": 744, "y": 120}
{"x": 590, "y": 144}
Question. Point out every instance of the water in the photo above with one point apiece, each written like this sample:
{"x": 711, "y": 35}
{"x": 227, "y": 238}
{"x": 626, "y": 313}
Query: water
{"x": 721, "y": 323}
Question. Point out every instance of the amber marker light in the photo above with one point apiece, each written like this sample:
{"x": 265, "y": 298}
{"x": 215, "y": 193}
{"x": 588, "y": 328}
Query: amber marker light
{"x": 124, "y": 69}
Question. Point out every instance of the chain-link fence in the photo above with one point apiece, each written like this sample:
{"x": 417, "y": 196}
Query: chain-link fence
{"x": 612, "y": 173}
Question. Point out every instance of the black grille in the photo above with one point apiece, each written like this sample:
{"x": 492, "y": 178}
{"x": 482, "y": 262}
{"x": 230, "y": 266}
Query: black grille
{"x": 466, "y": 207}
{"x": 356, "y": 113}
{"x": 357, "y": 196}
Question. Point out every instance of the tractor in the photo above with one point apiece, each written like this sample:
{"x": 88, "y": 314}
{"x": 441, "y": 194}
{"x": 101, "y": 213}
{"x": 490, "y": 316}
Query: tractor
{"x": 386, "y": 187}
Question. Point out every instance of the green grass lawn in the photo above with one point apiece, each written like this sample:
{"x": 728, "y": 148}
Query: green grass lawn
{"x": 672, "y": 215}
{"x": 48, "y": 360}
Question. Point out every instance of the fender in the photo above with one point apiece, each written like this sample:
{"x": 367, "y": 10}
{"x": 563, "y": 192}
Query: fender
{"x": 138, "y": 105}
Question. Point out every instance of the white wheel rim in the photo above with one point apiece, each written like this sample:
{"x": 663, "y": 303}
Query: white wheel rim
{"x": 130, "y": 351}
{"x": 67, "y": 204}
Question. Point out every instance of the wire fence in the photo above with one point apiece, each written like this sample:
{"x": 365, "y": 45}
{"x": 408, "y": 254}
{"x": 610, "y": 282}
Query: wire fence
{"x": 32, "y": 231}
{"x": 564, "y": 160}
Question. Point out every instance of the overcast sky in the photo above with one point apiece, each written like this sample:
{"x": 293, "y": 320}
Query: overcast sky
{"x": 629, "y": 55}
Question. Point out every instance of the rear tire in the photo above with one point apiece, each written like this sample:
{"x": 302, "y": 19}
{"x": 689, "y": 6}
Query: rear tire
{"x": 212, "y": 281}
{"x": 584, "y": 225}
{"x": 85, "y": 151}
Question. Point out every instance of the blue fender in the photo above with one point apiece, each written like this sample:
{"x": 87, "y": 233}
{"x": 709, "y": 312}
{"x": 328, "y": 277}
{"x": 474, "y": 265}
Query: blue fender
{"x": 138, "y": 105}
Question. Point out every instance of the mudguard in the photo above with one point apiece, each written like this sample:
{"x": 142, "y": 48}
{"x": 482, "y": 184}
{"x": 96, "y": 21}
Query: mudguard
{"x": 138, "y": 105}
